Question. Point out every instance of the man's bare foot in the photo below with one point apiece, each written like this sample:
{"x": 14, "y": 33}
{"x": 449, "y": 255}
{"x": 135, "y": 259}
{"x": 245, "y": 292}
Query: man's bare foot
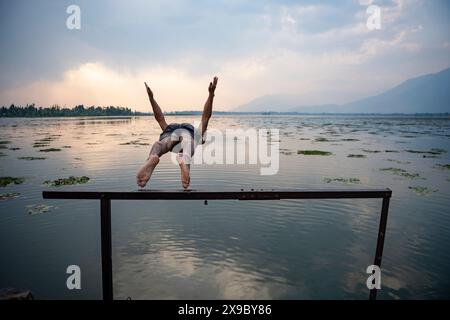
{"x": 146, "y": 171}
{"x": 184, "y": 168}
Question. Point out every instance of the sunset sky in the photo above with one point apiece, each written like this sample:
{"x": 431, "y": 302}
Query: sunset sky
{"x": 321, "y": 50}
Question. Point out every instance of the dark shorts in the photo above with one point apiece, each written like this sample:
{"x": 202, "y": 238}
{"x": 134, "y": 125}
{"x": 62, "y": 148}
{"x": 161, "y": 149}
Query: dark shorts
{"x": 170, "y": 129}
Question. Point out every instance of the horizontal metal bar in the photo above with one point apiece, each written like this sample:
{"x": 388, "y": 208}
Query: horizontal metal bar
{"x": 219, "y": 195}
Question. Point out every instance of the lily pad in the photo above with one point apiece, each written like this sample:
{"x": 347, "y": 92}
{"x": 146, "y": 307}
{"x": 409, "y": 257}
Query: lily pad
{"x": 50, "y": 150}
{"x": 356, "y": 156}
{"x": 422, "y": 191}
{"x": 9, "y": 196}
{"x": 31, "y": 158}
{"x": 401, "y": 172}
{"x": 314, "y": 153}
{"x": 344, "y": 180}
{"x": 38, "y": 209}
{"x": 4, "y": 181}
{"x": 67, "y": 181}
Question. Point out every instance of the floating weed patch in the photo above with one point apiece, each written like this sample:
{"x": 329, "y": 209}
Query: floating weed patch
{"x": 401, "y": 172}
{"x": 3, "y": 146}
{"x": 40, "y": 145}
{"x": 371, "y": 151}
{"x": 287, "y": 153}
{"x": 344, "y": 180}
{"x": 443, "y": 166}
{"x": 398, "y": 161}
{"x": 321, "y": 139}
{"x": 356, "y": 156}
{"x": 66, "y": 147}
{"x": 433, "y": 151}
{"x": 34, "y": 209}
{"x": 4, "y": 181}
{"x": 2, "y": 154}
{"x": 422, "y": 191}
{"x": 14, "y": 148}
{"x": 134, "y": 142}
{"x": 314, "y": 153}
{"x": 9, "y": 196}
{"x": 3, "y": 142}
{"x": 31, "y": 158}
{"x": 391, "y": 151}
{"x": 350, "y": 139}
{"x": 72, "y": 180}
{"x": 50, "y": 150}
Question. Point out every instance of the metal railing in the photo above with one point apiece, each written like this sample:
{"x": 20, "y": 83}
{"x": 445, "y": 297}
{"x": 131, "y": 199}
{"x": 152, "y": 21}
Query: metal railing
{"x": 105, "y": 198}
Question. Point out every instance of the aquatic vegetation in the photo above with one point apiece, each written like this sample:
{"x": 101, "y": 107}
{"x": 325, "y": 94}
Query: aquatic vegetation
{"x": 38, "y": 209}
{"x": 31, "y": 158}
{"x": 2, "y": 154}
{"x": 433, "y": 151}
{"x": 3, "y": 142}
{"x": 9, "y": 196}
{"x": 401, "y": 172}
{"x": 40, "y": 145}
{"x": 422, "y": 191}
{"x": 136, "y": 142}
{"x": 398, "y": 161}
{"x": 321, "y": 139}
{"x": 66, "y": 147}
{"x": 50, "y": 150}
{"x": 344, "y": 180}
{"x": 443, "y": 166}
{"x": 391, "y": 151}
{"x": 67, "y": 181}
{"x": 286, "y": 153}
{"x": 314, "y": 153}
{"x": 4, "y": 181}
{"x": 371, "y": 151}
{"x": 350, "y": 139}
{"x": 356, "y": 156}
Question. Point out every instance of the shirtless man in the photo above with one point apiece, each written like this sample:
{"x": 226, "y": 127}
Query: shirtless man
{"x": 179, "y": 138}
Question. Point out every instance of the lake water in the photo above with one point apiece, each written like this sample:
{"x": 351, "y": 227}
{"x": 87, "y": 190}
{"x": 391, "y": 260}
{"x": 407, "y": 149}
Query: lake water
{"x": 288, "y": 249}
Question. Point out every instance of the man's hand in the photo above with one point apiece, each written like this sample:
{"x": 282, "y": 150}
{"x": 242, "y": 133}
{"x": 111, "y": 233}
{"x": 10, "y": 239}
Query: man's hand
{"x": 149, "y": 92}
{"x": 212, "y": 86}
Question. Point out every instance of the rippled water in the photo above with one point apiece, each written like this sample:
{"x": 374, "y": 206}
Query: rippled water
{"x": 230, "y": 249}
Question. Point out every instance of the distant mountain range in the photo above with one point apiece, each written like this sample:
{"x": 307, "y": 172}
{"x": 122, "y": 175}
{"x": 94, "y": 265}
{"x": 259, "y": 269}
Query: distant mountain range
{"x": 425, "y": 94}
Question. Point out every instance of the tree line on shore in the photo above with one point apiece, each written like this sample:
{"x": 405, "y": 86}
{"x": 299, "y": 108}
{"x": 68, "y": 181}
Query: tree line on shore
{"x": 56, "y": 111}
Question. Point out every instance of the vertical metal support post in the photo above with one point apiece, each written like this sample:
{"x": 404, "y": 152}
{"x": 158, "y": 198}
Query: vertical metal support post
{"x": 105, "y": 222}
{"x": 380, "y": 240}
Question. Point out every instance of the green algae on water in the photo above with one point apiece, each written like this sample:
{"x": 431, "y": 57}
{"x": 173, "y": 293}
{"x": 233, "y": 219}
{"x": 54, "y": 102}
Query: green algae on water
{"x": 356, "y": 156}
{"x": 31, "y": 158}
{"x": 72, "y": 180}
{"x": 314, "y": 153}
{"x": 4, "y": 181}
{"x": 38, "y": 209}
{"x": 422, "y": 191}
{"x": 50, "y": 150}
{"x": 401, "y": 172}
{"x": 344, "y": 180}
{"x": 9, "y": 196}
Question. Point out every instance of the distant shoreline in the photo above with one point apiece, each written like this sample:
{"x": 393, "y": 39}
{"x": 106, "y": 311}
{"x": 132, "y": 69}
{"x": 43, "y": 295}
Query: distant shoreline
{"x": 225, "y": 113}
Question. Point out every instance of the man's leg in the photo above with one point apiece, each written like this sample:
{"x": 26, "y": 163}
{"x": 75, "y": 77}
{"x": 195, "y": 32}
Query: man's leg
{"x": 158, "y": 149}
{"x": 185, "y": 156}
{"x": 207, "y": 109}
{"x": 157, "y": 112}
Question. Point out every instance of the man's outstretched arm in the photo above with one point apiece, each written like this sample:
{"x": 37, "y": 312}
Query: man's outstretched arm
{"x": 157, "y": 112}
{"x": 207, "y": 109}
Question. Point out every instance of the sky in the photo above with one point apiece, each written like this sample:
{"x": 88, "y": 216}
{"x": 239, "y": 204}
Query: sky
{"x": 321, "y": 51}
